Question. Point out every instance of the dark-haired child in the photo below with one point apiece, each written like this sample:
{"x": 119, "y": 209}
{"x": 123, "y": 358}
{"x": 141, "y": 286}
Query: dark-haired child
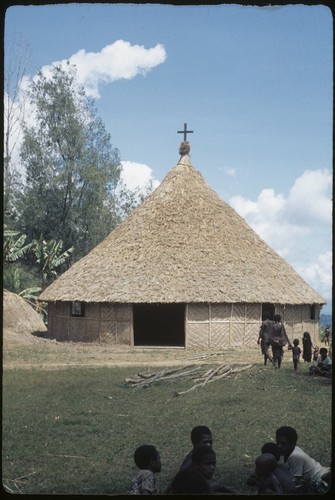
{"x": 296, "y": 351}
{"x": 189, "y": 481}
{"x": 200, "y": 435}
{"x": 281, "y": 472}
{"x": 148, "y": 460}
{"x": 268, "y": 482}
{"x": 204, "y": 461}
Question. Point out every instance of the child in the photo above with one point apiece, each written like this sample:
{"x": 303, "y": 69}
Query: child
{"x": 268, "y": 482}
{"x": 189, "y": 481}
{"x": 200, "y": 435}
{"x": 315, "y": 353}
{"x": 281, "y": 472}
{"x": 148, "y": 461}
{"x": 324, "y": 364}
{"x": 326, "y": 335}
{"x": 296, "y": 351}
{"x": 204, "y": 461}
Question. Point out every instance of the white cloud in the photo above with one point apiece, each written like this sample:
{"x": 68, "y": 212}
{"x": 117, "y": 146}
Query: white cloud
{"x": 298, "y": 226}
{"x": 137, "y": 176}
{"x": 310, "y": 197}
{"x": 117, "y": 61}
{"x": 231, "y": 172}
{"x": 319, "y": 274}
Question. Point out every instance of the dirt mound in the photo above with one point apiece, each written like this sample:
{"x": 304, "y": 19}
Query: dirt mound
{"x": 19, "y": 316}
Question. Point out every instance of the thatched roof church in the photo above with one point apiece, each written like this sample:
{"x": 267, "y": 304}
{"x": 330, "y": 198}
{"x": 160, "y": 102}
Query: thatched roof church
{"x": 184, "y": 269}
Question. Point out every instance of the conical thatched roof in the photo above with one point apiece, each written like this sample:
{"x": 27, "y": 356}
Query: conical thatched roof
{"x": 183, "y": 244}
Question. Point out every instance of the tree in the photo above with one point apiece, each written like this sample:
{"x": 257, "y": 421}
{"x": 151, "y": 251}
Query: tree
{"x": 17, "y": 58}
{"x": 72, "y": 170}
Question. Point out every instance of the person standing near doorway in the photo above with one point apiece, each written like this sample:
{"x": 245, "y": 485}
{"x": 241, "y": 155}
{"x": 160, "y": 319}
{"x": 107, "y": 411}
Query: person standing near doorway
{"x": 264, "y": 337}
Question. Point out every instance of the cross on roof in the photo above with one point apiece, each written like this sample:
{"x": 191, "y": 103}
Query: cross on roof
{"x": 185, "y": 131}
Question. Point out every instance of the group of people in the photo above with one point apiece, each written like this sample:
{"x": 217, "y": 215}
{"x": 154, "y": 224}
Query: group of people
{"x": 281, "y": 468}
{"x": 273, "y": 334}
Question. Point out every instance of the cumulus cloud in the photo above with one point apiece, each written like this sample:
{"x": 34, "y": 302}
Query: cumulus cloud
{"x": 117, "y": 61}
{"x": 292, "y": 224}
{"x": 137, "y": 176}
{"x": 310, "y": 197}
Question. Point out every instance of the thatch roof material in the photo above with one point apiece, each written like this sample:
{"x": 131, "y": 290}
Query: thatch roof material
{"x": 182, "y": 244}
{"x": 20, "y": 316}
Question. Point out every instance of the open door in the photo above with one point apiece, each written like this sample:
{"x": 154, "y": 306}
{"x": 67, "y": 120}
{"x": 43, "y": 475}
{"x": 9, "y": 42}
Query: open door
{"x": 161, "y": 325}
{"x": 268, "y": 307}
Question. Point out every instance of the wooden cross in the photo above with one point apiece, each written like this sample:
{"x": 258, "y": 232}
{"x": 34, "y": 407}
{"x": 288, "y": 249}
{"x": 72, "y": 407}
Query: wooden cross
{"x": 185, "y": 132}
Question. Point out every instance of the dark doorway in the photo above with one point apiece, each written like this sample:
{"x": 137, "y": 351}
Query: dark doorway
{"x": 159, "y": 325}
{"x": 268, "y": 307}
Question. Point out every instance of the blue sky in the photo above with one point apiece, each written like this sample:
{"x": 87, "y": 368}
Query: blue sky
{"x": 253, "y": 83}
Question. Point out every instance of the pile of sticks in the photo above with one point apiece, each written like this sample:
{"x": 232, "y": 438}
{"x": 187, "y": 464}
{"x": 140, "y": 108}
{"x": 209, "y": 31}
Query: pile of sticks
{"x": 144, "y": 380}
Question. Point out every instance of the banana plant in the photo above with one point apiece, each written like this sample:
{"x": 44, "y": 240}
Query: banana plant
{"x": 14, "y": 245}
{"x": 49, "y": 257}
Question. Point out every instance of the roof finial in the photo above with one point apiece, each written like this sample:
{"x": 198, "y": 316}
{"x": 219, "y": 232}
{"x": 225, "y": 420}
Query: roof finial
{"x": 184, "y": 147}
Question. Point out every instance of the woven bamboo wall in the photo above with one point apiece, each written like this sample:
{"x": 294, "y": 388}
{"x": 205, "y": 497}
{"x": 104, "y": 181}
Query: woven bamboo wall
{"x": 208, "y": 326}
{"x": 105, "y": 323}
{"x": 216, "y": 326}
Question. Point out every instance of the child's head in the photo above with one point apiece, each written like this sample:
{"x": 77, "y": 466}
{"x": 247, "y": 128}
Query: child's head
{"x": 204, "y": 460}
{"x": 277, "y": 318}
{"x": 296, "y": 342}
{"x": 323, "y": 352}
{"x": 201, "y": 435}
{"x": 265, "y": 464}
{"x": 189, "y": 481}
{"x": 147, "y": 457}
{"x": 271, "y": 448}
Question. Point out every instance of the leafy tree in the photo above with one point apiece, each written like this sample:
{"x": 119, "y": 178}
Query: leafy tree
{"x": 17, "y": 58}
{"x": 72, "y": 170}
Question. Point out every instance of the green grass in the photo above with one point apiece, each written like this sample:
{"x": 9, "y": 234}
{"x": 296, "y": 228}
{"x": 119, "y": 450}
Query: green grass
{"x": 74, "y": 431}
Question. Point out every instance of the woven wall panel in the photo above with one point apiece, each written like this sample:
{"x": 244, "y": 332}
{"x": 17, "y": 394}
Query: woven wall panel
{"x": 293, "y": 313}
{"x": 305, "y": 312}
{"x": 238, "y": 312}
{"x": 251, "y": 334}
{"x": 61, "y": 329}
{"x": 237, "y": 331}
{"x": 198, "y": 312}
{"x": 108, "y": 312}
{"x": 92, "y": 311}
{"x": 219, "y": 336}
{"x": 289, "y": 330}
{"x": 124, "y": 333}
{"x": 55, "y": 326}
{"x": 253, "y": 312}
{"x": 220, "y": 312}
{"x": 92, "y": 331}
{"x": 66, "y": 309}
{"x": 77, "y": 329}
{"x": 124, "y": 312}
{"x": 58, "y": 308}
{"x": 108, "y": 332}
{"x": 52, "y": 308}
{"x": 279, "y": 309}
{"x": 197, "y": 336}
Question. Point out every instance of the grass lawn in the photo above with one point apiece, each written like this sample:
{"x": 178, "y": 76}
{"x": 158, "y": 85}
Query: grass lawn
{"x": 74, "y": 431}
